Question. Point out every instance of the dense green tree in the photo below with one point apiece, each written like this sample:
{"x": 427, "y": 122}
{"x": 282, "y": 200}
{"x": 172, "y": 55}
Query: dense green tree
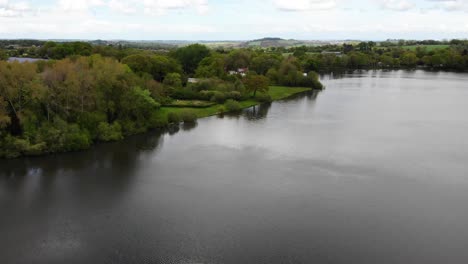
{"x": 157, "y": 89}
{"x": 3, "y": 55}
{"x": 212, "y": 66}
{"x": 139, "y": 63}
{"x": 173, "y": 80}
{"x": 366, "y": 46}
{"x": 262, "y": 63}
{"x": 138, "y": 106}
{"x": 386, "y": 61}
{"x": 358, "y": 60}
{"x": 300, "y": 52}
{"x": 156, "y": 65}
{"x": 4, "y": 117}
{"x": 310, "y": 64}
{"x": 347, "y": 48}
{"x": 163, "y": 65}
{"x": 191, "y": 56}
{"x": 55, "y": 50}
{"x": 256, "y": 83}
{"x": 109, "y": 132}
{"x": 409, "y": 59}
{"x": 66, "y": 87}
{"x": 238, "y": 59}
{"x": 18, "y": 87}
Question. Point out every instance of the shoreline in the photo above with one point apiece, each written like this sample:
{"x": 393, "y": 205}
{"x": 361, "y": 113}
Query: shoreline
{"x": 277, "y": 93}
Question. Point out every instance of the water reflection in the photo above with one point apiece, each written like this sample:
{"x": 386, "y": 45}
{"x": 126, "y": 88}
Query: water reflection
{"x": 173, "y": 129}
{"x": 189, "y": 126}
{"x": 122, "y": 158}
{"x": 47, "y": 173}
{"x": 257, "y": 112}
{"x": 123, "y": 155}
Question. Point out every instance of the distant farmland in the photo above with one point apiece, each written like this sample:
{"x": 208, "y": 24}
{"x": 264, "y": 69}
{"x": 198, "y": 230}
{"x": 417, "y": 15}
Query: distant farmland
{"x": 428, "y": 47}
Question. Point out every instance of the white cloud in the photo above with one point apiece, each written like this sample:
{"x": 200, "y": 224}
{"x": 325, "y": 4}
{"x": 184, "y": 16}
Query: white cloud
{"x": 304, "y": 5}
{"x": 67, "y": 19}
{"x": 240, "y": 19}
{"x": 78, "y": 5}
{"x": 147, "y": 7}
{"x": 396, "y": 5}
{"x": 83, "y": 27}
{"x": 126, "y": 7}
{"x": 451, "y": 5}
{"x": 10, "y": 9}
{"x": 162, "y": 6}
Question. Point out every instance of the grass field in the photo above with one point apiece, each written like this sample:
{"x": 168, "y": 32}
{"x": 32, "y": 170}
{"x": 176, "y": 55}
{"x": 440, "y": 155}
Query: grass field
{"x": 276, "y": 93}
{"x": 428, "y": 47}
{"x": 281, "y": 92}
{"x": 287, "y": 54}
{"x": 190, "y": 103}
{"x": 255, "y": 43}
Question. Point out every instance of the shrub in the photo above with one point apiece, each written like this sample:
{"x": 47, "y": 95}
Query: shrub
{"x": 264, "y": 98}
{"x": 20, "y": 144}
{"x": 206, "y": 84}
{"x": 107, "y": 132}
{"x": 157, "y": 121}
{"x": 184, "y": 94}
{"x": 235, "y": 95}
{"x": 203, "y": 85}
{"x": 219, "y": 98}
{"x": 51, "y": 135}
{"x": 188, "y": 116}
{"x": 11, "y": 147}
{"x": 129, "y": 127}
{"x": 206, "y": 95}
{"x": 37, "y": 149}
{"x": 91, "y": 121}
{"x": 232, "y": 105}
{"x": 221, "y": 109}
{"x": 173, "y": 80}
{"x": 316, "y": 84}
{"x": 76, "y": 139}
{"x": 60, "y": 136}
{"x": 173, "y": 118}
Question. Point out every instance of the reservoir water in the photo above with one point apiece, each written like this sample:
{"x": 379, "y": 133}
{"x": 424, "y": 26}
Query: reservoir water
{"x": 374, "y": 169}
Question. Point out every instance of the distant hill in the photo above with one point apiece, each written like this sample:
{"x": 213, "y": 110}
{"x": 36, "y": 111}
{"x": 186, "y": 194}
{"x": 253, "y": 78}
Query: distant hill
{"x": 268, "y": 39}
{"x": 267, "y": 42}
{"x": 279, "y": 42}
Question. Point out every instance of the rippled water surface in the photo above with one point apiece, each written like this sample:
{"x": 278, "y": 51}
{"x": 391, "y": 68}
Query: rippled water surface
{"x": 374, "y": 169}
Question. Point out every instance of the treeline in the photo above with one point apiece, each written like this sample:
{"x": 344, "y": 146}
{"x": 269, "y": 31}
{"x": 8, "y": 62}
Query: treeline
{"x": 403, "y": 42}
{"x": 99, "y": 94}
{"x": 11, "y": 44}
{"x": 365, "y": 45}
{"x": 66, "y": 105}
{"x": 220, "y": 75}
{"x": 367, "y": 55}
{"x": 58, "y": 51}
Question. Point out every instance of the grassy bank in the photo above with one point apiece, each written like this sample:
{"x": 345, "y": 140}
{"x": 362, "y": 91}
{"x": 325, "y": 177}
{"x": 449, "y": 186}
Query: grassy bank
{"x": 276, "y": 93}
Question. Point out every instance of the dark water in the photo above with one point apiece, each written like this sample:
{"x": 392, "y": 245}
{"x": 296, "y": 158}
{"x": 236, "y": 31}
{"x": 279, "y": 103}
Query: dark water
{"x": 372, "y": 170}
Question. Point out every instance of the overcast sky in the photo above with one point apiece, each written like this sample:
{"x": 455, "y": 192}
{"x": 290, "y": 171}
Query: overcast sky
{"x": 233, "y": 19}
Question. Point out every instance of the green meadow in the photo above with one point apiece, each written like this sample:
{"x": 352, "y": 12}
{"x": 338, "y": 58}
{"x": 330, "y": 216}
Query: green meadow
{"x": 276, "y": 93}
